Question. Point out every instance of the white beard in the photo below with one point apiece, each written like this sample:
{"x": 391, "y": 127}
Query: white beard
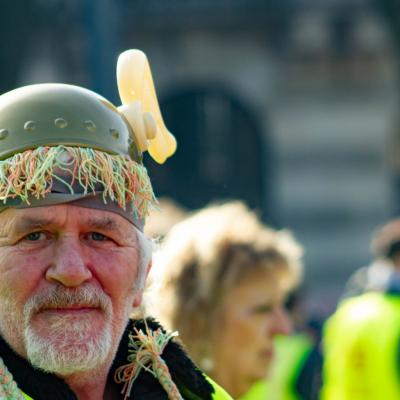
{"x": 69, "y": 349}
{"x": 70, "y": 345}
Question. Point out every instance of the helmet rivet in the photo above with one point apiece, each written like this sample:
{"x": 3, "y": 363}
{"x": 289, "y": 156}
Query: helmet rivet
{"x": 3, "y": 133}
{"x": 30, "y": 126}
{"x": 60, "y": 123}
{"x": 114, "y": 133}
{"x": 90, "y": 125}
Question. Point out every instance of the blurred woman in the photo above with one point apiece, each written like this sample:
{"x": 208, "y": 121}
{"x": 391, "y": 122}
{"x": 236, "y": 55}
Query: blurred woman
{"x": 222, "y": 279}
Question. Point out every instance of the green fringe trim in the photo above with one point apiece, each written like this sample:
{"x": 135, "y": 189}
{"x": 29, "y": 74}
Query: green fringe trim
{"x": 31, "y": 173}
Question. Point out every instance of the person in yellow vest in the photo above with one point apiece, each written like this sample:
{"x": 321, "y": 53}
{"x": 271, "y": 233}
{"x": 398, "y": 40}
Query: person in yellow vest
{"x": 220, "y": 279}
{"x": 361, "y": 349}
{"x": 385, "y": 248}
{"x": 73, "y": 256}
{"x": 362, "y": 338}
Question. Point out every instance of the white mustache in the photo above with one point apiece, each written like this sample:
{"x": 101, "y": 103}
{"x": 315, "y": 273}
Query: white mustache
{"x": 61, "y": 297}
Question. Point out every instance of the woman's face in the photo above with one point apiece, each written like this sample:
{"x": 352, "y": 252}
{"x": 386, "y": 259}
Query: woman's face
{"x": 251, "y": 316}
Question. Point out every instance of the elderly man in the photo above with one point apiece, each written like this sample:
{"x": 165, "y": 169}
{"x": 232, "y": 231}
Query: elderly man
{"x": 73, "y": 258}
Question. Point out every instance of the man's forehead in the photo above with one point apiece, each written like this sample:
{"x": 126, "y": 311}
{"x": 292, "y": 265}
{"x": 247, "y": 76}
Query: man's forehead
{"x": 63, "y": 215}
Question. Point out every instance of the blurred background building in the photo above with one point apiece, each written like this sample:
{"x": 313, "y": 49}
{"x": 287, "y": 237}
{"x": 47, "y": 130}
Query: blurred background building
{"x": 290, "y": 105}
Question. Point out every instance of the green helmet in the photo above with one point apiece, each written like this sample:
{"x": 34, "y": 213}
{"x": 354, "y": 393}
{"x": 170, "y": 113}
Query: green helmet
{"x": 57, "y": 114}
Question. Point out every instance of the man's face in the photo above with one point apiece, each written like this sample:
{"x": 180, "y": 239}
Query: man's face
{"x": 67, "y": 284}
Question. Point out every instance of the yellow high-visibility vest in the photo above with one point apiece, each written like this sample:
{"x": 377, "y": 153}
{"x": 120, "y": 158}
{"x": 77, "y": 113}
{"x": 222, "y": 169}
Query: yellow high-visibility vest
{"x": 361, "y": 343}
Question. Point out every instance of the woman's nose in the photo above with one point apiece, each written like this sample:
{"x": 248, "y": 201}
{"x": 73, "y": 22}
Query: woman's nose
{"x": 282, "y": 324}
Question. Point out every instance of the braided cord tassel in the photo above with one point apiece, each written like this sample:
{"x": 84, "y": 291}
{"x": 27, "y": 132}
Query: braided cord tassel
{"x": 145, "y": 354}
{"x": 8, "y": 387}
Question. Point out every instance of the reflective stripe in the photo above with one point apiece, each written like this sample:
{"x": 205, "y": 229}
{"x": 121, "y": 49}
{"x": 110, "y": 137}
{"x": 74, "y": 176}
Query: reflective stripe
{"x": 26, "y": 396}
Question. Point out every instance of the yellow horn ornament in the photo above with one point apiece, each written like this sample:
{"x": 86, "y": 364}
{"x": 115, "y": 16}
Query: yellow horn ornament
{"x": 140, "y": 105}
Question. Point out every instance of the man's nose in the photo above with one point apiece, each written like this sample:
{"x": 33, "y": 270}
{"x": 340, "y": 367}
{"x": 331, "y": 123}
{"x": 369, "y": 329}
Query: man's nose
{"x": 282, "y": 325}
{"x": 69, "y": 266}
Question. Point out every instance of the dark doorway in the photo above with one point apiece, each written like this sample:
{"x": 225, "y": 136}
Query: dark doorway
{"x": 220, "y": 150}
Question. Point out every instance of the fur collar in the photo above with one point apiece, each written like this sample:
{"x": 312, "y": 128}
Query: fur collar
{"x": 44, "y": 386}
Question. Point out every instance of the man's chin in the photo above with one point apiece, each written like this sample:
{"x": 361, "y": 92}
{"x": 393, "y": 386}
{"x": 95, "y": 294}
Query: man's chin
{"x": 68, "y": 351}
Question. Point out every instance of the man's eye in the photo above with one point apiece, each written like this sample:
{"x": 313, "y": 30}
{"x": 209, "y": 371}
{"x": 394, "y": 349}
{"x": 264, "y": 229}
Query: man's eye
{"x": 98, "y": 237}
{"x": 34, "y": 236}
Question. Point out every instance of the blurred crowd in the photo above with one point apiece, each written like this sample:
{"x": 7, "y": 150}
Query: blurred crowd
{"x": 232, "y": 287}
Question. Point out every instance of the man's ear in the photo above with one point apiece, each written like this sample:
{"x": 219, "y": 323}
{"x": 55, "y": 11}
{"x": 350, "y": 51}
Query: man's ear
{"x": 148, "y": 268}
{"x": 137, "y": 300}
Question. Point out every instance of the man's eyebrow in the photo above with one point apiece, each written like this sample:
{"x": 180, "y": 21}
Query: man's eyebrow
{"x": 105, "y": 223}
{"x": 29, "y": 223}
